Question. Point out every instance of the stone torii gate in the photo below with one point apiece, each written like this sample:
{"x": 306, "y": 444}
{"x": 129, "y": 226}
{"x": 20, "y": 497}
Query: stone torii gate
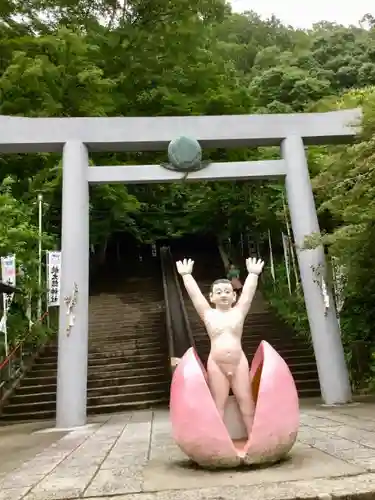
{"x": 76, "y": 137}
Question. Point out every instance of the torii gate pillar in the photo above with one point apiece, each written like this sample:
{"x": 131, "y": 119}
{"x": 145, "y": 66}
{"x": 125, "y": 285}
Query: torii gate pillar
{"x": 71, "y": 397}
{"x": 324, "y": 326}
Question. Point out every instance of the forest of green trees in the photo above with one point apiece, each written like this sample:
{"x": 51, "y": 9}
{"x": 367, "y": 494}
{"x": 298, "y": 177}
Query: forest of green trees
{"x": 181, "y": 57}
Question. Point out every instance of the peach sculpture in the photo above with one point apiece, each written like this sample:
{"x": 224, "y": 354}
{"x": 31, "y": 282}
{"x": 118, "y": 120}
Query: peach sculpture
{"x": 212, "y": 441}
{"x": 260, "y": 423}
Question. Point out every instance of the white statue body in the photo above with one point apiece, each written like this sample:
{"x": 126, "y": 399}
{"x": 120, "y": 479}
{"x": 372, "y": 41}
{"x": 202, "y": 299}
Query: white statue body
{"x": 227, "y": 365}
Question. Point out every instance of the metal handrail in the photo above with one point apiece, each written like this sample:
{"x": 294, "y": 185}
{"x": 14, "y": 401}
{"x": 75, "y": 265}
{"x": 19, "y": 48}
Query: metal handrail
{"x": 20, "y": 344}
{"x": 163, "y": 254}
{"x": 182, "y": 300}
{"x": 14, "y": 364}
{"x": 178, "y": 328}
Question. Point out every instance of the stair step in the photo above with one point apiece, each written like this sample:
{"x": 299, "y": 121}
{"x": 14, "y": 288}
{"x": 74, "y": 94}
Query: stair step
{"x": 121, "y": 353}
{"x": 149, "y": 403}
{"x": 131, "y": 311}
{"x": 106, "y": 350}
{"x": 289, "y": 354}
{"x": 309, "y": 393}
{"x": 256, "y": 339}
{"x": 135, "y": 292}
{"x": 304, "y": 369}
{"x": 97, "y": 392}
{"x": 296, "y": 366}
{"x": 120, "y": 367}
{"x": 142, "y": 340}
{"x": 128, "y": 318}
{"x": 304, "y": 385}
{"x": 92, "y": 401}
{"x": 124, "y": 351}
{"x": 110, "y": 322}
{"x": 118, "y": 304}
{"x": 122, "y": 357}
{"x": 109, "y": 381}
{"x": 95, "y": 347}
{"x": 100, "y": 348}
{"x": 252, "y": 326}
{"x": 114, "y": 328}
{"x": 135, "y": 336}
{"x": 109, "y": 349}
{"x": 134, "y": 331}
{"x": 124, "y": 344}
{"x": 286, "y": 353}
{"x": 97, "y": 376}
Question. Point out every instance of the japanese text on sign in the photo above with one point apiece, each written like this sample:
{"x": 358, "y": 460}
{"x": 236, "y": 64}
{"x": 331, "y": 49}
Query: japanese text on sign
{"x": 54, "y": 275}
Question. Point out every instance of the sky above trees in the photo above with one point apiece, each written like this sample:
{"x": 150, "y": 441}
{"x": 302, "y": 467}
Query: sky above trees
{"x": 302, "y": 14}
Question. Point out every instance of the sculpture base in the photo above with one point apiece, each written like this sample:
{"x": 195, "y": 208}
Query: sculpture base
{"x": 235, "y": 426}
{"x": 233, "y": 421}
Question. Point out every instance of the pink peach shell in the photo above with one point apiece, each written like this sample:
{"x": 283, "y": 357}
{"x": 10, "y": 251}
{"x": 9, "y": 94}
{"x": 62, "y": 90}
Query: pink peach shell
{"x": 202, "y": 435}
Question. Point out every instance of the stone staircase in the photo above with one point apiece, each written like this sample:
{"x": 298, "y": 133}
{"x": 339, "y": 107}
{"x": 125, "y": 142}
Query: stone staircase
{"x": 128, "y": 355}
{"x": 260, "y": 324}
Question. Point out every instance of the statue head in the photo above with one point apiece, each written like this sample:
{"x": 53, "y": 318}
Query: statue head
{"x": 222, "y": 294}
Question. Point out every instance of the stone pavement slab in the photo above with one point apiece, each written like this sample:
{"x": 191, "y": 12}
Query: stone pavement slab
{"x": 131, "y": 456}
{"x": 20, "y": 442}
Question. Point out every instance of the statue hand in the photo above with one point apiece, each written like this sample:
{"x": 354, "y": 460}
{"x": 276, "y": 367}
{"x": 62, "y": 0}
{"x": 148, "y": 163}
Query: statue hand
{"x": 254, "y": 266}
{"x": 185, "y": 266}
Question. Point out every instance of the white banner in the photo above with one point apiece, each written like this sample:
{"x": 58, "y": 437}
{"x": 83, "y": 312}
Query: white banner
{"x": 271, "y": 257}
{"x": 53, "y": 278}
{"x": 286, "y": 260}
{"x": 339, "y": 283}
{"x": 8, "y": 276}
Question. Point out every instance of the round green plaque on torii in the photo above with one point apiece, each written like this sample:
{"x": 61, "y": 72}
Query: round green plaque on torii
{"x": 185, "y": 156}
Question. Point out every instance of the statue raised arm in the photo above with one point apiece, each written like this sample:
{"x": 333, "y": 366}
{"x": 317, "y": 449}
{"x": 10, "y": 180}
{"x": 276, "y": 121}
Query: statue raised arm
{"x": 185, "y": 269}
{"x": 254, "y": 268}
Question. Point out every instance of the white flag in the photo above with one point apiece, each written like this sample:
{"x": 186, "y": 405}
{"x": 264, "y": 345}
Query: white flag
{"x": 8, "y": 276}
{"x": 271, "y": 257}
{"x": 53, "y": 278}
{"x": 339, "y": 283}
{"x": 286, "y": 259}
{"x": 29, "y": 312}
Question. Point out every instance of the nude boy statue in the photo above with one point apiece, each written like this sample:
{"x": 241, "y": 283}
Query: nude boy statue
{"x": 227, "y": 366}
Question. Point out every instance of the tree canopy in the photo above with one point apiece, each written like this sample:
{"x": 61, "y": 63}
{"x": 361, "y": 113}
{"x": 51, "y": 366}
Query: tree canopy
{"x": 123, "y": 58}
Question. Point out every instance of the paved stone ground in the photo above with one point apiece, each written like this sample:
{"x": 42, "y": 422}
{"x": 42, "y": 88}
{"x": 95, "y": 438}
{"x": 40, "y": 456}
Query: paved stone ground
{"x": 21, "y": 442}
{"x": 132, "y": 457}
